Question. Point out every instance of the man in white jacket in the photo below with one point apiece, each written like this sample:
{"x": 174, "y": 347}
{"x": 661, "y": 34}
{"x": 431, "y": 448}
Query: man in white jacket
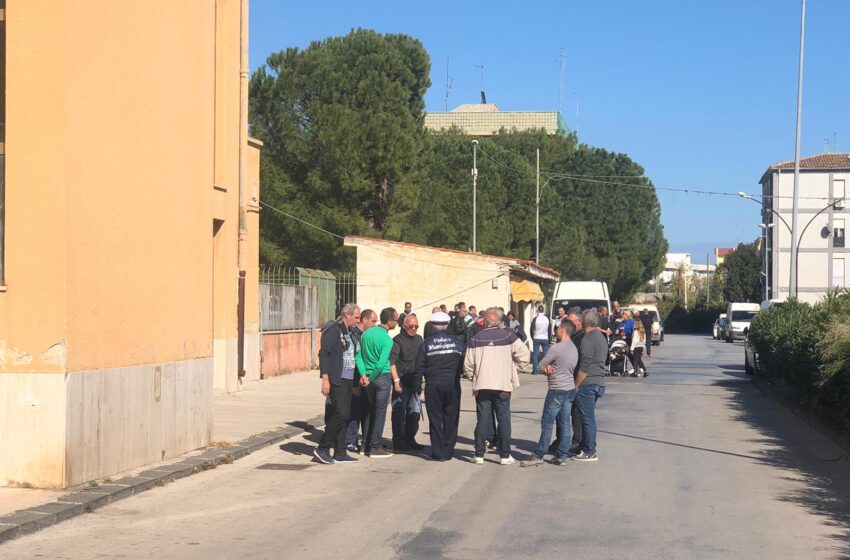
{"x": 540, "y": 332}
{"x": 492, "y": 358}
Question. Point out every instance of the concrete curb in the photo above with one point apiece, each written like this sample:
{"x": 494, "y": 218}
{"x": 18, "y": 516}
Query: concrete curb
{"x": 30, "y": 520}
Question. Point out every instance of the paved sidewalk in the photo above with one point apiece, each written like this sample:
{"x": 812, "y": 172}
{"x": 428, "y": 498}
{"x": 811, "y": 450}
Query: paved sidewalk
{"x": 265, "y": 405}
{"x": 263, "y": 413}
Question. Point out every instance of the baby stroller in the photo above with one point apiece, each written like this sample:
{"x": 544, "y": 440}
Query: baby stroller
{"x": 619, "y": 363}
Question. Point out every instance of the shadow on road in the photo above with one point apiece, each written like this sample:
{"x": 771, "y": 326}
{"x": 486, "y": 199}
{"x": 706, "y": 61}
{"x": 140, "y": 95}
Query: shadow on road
{"x": 823, "y": 467}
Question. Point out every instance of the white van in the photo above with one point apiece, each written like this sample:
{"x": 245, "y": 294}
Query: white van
{"x": 738, "y": 319}
{"x": 580, "y": 294}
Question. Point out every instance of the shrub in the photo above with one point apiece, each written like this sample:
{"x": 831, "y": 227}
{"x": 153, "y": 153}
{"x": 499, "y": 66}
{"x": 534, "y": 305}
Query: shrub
{"x": 805, "y": 350}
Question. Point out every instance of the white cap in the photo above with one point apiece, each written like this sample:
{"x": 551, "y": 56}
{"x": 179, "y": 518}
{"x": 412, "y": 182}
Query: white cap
{"x": 440, "y": 317}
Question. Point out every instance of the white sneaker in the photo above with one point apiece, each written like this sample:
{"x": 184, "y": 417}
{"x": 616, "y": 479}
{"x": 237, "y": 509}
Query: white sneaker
{"x": 478, "y": 460}
{"x": 507, "y": 460}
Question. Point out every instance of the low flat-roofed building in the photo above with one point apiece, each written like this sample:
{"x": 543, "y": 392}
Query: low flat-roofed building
{"x": 486, "y": 119}
{"x": 390, "y": 273}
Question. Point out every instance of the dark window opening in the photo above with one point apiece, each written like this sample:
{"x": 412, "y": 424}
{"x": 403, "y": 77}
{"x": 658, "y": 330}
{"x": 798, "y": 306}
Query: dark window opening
{"x": 838, "y": 237}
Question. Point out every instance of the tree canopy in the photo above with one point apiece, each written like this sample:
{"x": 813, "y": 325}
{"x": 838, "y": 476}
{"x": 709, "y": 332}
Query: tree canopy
{"x": 741, "y": 273}
{"x": 346, "y": 150}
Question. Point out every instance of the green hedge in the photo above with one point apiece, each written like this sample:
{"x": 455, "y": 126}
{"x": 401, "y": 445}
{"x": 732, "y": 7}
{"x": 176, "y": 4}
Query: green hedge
{"x": 805, "y": 350}
{"x": 696, "y": 320}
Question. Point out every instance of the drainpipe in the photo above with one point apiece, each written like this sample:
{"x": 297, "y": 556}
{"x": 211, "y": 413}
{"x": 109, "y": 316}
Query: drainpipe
{"x": 243, "y": 183}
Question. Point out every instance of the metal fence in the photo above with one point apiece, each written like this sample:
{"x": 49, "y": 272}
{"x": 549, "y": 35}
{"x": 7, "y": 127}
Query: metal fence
{"x": 333, "y": 290}
{"x": 285, "y": 308}
{"x": 346, "y": 289}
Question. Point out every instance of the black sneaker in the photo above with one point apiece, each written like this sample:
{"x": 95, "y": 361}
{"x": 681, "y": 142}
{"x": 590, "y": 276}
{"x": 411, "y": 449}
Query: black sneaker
{"x": 344, "y": 458}
{"x": 573, "y": 451}
{"x": 380, "y": 452}
{"x": 353, "y": 447}
{"x": 416, "y": 446}
{"x": 323, "y": 456}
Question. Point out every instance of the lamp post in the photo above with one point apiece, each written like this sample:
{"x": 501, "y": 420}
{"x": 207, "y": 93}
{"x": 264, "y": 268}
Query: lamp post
{"x": 795, "y": 247}
{"x": 835, "y": 205}
{"x": 766, "y": 292}
{"x": 766, "y": 207}
{"x": 474, "y": 195}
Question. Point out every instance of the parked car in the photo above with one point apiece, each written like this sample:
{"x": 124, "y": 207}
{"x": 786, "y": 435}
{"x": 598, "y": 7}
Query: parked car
{"x": 739, "y": 315}
{"x": 751, "y": 358}
{"x": 717, "y": 329}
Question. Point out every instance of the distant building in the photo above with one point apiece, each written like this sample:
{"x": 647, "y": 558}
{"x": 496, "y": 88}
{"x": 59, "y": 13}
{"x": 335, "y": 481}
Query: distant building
{"x": 676, "y": 261}
{"x": 486, "y": 119}
{"x": 822, "y": 253}
{"x": 720, "y": 254}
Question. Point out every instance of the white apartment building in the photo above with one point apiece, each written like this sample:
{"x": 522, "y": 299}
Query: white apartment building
{"x": 821, "y": 220}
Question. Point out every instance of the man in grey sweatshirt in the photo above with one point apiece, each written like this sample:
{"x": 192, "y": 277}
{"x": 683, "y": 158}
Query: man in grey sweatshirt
{"x": 559, "y": 365}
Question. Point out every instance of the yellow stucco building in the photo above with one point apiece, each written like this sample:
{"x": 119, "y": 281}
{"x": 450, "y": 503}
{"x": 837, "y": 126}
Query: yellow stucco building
{"x": 129, "y": 232}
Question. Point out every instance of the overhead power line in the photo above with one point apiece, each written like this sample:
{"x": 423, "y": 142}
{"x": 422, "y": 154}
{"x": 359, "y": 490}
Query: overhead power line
{"x": 599, "y": 179}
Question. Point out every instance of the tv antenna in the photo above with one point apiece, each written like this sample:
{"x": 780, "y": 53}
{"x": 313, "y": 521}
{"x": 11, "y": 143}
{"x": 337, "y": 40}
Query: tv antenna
{"x": 483, "y": 95}
{"x": 449, "y": 82}
{"x": 561, "y": 61}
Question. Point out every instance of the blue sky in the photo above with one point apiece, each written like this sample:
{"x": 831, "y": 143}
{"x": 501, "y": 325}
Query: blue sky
{"x": 702, "y": 93}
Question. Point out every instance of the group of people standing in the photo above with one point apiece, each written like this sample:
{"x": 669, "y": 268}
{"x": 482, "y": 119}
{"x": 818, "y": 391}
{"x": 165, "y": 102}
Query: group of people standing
{"x": 364, "y": 371}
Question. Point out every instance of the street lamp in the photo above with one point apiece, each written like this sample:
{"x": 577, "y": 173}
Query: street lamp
{"x": 837, "y": 205}
{"x": 761, "y": 203}
{"x": 765, "y": 227}
{"x": 474, "y": 194}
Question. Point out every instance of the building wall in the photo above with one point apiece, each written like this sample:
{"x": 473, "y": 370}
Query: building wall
{"x": 393, "y": 274}
{"x": 489, "y": 123}
{"x": 287, "y": 352}
{"x": 817, "y": 253}
{"x": 114, "y": 121}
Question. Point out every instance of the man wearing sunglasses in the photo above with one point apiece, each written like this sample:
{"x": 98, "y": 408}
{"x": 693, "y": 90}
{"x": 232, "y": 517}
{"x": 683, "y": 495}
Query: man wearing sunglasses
{"x": 406, "y": 406}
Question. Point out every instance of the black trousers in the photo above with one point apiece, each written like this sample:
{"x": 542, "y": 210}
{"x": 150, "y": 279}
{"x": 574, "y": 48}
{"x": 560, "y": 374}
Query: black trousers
{"x": 486, "y": 401}
{"x": 337, "y": 413}
{"x": 443, "y": 403}
{"x": 637, "y": 359}
{"x": 405, "y": 417}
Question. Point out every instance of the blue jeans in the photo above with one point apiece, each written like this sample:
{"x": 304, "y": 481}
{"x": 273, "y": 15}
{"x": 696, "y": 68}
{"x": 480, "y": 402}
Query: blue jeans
{"x": 541, "y": 346}
{"x": 557, "y": 407}
{"x": 379, "y": 392}
{"x": 586, "y": 403}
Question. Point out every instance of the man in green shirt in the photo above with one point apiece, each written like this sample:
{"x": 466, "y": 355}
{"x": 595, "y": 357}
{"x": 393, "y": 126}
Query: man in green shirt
{"x": 373, "y": 364}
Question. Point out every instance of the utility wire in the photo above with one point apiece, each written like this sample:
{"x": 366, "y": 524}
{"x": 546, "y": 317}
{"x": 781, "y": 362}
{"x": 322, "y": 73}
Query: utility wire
{"x": 442, "y": 299}
{"x": 598, "y": 180}
{"x": 389, "y": 252}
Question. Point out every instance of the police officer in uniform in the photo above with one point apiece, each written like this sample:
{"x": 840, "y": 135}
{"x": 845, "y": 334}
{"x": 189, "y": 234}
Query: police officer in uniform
{"x": 440, "y": 362}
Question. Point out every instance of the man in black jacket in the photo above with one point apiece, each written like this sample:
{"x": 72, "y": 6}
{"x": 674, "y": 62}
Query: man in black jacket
{"x": 406, "y": 405}
{"x": 647, "y": 318}
{"x": 440, "y": 362}
{"x": 336, "y": 364}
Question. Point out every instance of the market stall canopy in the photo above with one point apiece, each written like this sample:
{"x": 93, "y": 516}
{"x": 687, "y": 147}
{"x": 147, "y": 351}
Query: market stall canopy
{"x": 525, "y": 290}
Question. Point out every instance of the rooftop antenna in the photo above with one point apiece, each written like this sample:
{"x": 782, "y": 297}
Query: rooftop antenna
{"x": 483, "y": 96}
{"x": 562, "y": 71}
{"x": 449, "y": 82}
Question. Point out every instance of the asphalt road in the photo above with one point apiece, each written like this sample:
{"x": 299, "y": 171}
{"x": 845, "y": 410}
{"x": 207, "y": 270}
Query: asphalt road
{"x": 694, "y": 463}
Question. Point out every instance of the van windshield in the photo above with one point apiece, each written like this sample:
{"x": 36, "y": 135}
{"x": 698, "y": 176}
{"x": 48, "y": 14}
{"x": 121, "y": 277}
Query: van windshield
{"x": 567, "y": 304}
{"x": 743, "y": 315}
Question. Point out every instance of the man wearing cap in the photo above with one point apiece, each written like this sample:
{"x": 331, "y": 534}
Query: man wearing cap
{"x": 440, "y": 362}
